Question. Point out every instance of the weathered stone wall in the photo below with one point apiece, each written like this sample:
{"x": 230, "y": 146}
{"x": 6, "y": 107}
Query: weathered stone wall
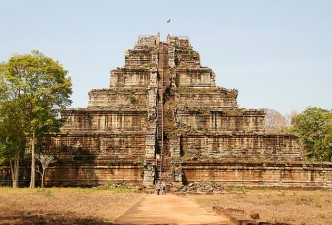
{"x": 222, "y": 121}
{"x": 138, "y": 58}
{"x": 90, "y": 147}
{"x": 118, "y": 97}
{"x": 150, "y": 135}
{"x": 187, "y": 58}
{"x": 206, "y": 97}
{"x": 195, "y": 77}
{"x": 283, "y": 174}
{"x": 69, "y": 173}
{"x": 130, "y": 77}
{"x": 77, "y": 173}
{"x": 147, "y": 41}
{"x": 182, "y": 53}
{"x": 237, "y": 120}
{"x": 179, "y": 41}
{"x": 242, "y": 146}
{"x": 87, "y": 120}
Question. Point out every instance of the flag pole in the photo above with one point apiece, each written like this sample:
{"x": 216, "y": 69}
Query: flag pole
{"x": 169, "y": 26}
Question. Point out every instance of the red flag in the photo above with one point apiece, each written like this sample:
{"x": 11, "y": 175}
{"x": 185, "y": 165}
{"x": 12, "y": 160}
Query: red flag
{"x": 169, "y": 20}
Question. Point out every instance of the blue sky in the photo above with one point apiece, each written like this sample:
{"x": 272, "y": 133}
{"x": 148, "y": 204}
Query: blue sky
{"x": 278, "y": 54}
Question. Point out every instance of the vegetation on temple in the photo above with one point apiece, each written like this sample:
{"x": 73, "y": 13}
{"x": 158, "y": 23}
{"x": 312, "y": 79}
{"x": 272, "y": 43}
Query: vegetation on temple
{"x": 314, "y": 126}
{"x": 34, "y": 89}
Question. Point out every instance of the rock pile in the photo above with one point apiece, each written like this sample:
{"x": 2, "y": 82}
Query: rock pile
{"x": 205, "y": 187}
{"x": 116, "y": 185}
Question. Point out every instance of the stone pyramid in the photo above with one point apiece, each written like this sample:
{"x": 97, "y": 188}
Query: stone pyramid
{"x": 163, "y": 117}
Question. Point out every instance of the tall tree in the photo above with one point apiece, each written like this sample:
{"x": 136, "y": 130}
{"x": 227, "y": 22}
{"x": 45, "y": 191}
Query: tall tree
{"x": 45, "y": 88}
{"x": 12, "y": 136}
{"x": 12, "y": 127}
{"x": 314, "y": 126}
{"x": 275, "y": 122}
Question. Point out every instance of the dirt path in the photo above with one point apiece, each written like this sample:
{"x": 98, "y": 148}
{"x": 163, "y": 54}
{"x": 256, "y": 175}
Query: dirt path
{"x": 167, "y": 210}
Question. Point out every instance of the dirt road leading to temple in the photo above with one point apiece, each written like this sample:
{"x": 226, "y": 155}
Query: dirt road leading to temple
{"x": 169, "y": 209}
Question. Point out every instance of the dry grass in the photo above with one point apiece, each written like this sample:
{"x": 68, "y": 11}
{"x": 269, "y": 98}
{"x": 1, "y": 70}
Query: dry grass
{"x": 63, "y": 205}
{"x": 283, "y": 206}
{"x": 92, "y": 206}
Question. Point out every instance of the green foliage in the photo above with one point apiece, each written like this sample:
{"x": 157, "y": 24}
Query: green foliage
{"x": 2, "y": 155}
{"x": 41, "y": 83}
{"x": 132, "y": 98}
{"x": 282, "y": 193}
{"x": 202, "y": 119}
{"x": 34, "y": 90}
{"x": 265, "y": 190}
{"x": 12, "y": 129}
{"x": 46, "y": 191}
{"x": 240, "y": 191}
{"x": 314, "y": 127}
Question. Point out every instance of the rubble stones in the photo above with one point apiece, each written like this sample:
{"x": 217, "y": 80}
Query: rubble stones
{"x": 202, "y": 188}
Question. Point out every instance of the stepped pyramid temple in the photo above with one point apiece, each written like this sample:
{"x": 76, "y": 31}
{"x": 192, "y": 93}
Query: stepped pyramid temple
{"x": 164, "y": 117}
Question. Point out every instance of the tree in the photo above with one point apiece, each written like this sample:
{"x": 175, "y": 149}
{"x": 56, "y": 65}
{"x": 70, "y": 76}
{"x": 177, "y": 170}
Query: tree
{"x": 12, "y": 136}
{"x": 275, "y": 122}
{"x": 314, "y": 126}
{"x": 44, "y": 161}
{"x": 45, "y": 88}
{"x": 12, "y": 126}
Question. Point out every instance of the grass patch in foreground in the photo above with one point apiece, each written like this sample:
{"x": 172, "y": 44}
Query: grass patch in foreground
{"x": 296, "y": 207}
{"x": 71, "y": 205}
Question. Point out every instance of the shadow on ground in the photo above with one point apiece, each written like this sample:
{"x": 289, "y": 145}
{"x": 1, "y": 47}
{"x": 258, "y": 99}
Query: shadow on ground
{"x": 168, "y": 224}
{"x": 43, "y": 218}
{"x": 36, "y": 218}
{"x": 280, "y": 224}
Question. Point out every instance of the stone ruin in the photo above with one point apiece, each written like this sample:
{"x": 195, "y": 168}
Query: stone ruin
{"x": 164, "y": 117}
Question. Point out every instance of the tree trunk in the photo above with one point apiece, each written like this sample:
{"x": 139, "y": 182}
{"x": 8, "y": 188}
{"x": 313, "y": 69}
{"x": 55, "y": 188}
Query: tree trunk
{"x": 14, "y": 168}
{"x": 33, "y": 161}
{"x": 12, "y": 171}
{"x": 42, "y": 180}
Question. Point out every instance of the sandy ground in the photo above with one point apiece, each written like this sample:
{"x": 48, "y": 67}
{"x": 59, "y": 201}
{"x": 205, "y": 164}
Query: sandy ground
{"x": 91, "y": 206}
{"x": 169, "y": 209}
{"x": 293, "y": 207}
{"x": 63, "y": 206}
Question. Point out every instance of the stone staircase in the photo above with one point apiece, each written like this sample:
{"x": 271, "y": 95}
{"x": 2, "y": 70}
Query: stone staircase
{"x": 163, "y": 164}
